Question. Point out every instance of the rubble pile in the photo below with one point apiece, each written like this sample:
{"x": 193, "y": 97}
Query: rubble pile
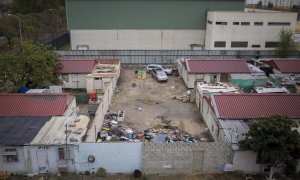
{"x": 114, "y": 129}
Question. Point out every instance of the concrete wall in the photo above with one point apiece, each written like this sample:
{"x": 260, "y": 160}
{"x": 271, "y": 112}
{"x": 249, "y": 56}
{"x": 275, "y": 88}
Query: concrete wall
{"x": 76, "y": 81}
{"x": 175, "y": 158}
{"x": 114, "y": 157}
{"x": 253, "y": 34}
{"x": 18, "y": 166}
{"x": 245, "y": 161}
{"x": 136, "y": 39}
{"x": 208, "y": 117}
{"x": 103, "y": 106}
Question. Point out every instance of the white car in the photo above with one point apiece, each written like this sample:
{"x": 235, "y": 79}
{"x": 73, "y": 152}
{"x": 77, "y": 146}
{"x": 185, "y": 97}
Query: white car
{"x": 150, "y": 67}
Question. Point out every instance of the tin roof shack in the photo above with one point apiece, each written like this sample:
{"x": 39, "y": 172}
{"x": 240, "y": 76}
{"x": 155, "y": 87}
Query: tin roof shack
{"x": 210, "y": 70}
{"x": 227, "y": 117}
{"x": 22, "y": 117}
{"x": 246, "y": 82}
{"x": 204, "y": 89}
{"x": 106, "y": 71}
{"x": 286, "y": 72}
{"x": 73, "y": 72}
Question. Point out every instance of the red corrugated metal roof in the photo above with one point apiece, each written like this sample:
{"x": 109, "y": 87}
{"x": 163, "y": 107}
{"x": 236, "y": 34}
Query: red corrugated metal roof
{"x": 248, "y": 106}
{"x": 16, "y": 104}
{"x": 217, "y": 66}
{"x": 76, "y": 66}
{"x": 108, "y": 61}
{"x": 286, "y": 66}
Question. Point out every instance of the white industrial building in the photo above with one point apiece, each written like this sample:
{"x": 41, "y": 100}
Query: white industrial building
{"x": 229, "y": 30}
{"x": 173, "y": 25}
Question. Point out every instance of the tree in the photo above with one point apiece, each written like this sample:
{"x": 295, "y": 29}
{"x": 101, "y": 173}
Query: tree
{"x": 276, "y": 141}
{"x": 8, "y": 28}
{"x": 286, "y": 43}
{"x": 259, "y": 5}
{"x": 33, "y": 68}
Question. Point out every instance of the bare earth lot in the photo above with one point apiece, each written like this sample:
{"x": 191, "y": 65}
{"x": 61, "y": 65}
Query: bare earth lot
{"x": 154, "y": 100}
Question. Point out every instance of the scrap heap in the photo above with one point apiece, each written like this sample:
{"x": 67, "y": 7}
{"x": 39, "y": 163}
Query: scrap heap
{"x": 114, "y": 129}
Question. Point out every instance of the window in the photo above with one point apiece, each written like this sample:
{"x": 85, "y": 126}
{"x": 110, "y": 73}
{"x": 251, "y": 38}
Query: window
{"x": 209, "y": 22}
{"x": 236, "y": 23}
{"x": 221, "y": 23}
{"x": 256, "y": 46}
{"x": 10, "y": 155}
{"x": 245, "y": 23}
{"x": 220, "y": 43}
{"x": 271, "y": 44}
{"x": 61, "y": 153}
{"x": 279, "y": 23}
{"x": 258, "y": 23}
{"x": 75, "y": 77}
{"x": 240, "y": 44}
{"x": 82, "y": 47}
{"x": 65, "y": 77}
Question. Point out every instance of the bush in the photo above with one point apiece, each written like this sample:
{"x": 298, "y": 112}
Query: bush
{"x": 101, "y": 172}
{"x": 87, "y": 173}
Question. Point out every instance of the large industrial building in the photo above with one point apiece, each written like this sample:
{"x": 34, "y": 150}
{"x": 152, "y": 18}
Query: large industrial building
{"x": 165, "y": 24}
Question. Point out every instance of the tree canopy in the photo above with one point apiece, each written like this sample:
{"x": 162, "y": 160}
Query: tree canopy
{"x": 286, "y": 43}
{"x": 33, "y": 68}
{"x": 276, "y": 141}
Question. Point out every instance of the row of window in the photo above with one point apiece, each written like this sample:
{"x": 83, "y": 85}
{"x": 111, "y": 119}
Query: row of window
{"x": 255, "y": 23}
{"x": 244, "y": 44}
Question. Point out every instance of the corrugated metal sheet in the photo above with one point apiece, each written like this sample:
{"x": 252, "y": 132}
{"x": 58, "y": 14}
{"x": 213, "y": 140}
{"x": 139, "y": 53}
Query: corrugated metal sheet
{"x": 286, "y": 66}
{"x": 54, "y": 131}
{"x": 251, "y": 106}
{"x": 76, "y": 66}
{"x": 20, "y": 130}
{"x": 217, "y": 66}
{"x": 16, "y": 104}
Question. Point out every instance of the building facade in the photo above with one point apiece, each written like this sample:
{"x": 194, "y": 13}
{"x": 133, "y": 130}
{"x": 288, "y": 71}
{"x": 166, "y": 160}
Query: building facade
{"x": 144, "y": 24}
{"x": 228, "y": 30}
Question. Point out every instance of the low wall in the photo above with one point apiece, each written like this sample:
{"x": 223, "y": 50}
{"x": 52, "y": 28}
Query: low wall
{"x": 114, "y": 157}
{"x": 177, "y": 158}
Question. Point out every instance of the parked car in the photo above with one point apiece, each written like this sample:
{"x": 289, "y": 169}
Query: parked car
{"x": 159, "y": 75}
{"x": 150, "y": 67}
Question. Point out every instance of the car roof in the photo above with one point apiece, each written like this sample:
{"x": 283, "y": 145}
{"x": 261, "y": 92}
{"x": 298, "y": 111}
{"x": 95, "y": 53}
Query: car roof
{"x": 154, "y": 65}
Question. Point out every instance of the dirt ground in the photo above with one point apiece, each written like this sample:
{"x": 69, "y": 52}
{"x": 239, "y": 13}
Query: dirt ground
{"x": 154, "y": 100}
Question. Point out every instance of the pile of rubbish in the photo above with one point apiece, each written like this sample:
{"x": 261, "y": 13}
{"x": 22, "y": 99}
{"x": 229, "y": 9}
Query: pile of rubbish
{"x": 114, "y": 129}
{"x": 184, "y": 98}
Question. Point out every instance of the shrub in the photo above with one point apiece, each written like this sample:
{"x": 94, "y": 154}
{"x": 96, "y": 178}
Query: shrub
{"x": 101, "y": 172}
{"x": 87, "y": 173}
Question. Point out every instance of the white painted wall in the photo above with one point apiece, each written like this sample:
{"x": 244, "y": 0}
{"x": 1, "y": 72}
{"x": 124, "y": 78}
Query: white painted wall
{"x": 209, "y": 119}
{"x": 136, "y": 39}
{"x": 76, "y": 81}
{"x": 52, "y": 158}
{"x": 114, "y": 157}
{"x": 255, "y": 35}
{"x": 245, "y": 161}
{"x": 16, "y": 167}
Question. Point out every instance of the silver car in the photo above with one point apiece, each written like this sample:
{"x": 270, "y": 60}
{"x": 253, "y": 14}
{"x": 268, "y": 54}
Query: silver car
{"x": 150, "y": 67}
{"x": 159, "y": 75}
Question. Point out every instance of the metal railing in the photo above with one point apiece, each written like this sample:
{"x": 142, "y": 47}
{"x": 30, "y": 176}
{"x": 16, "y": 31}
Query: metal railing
{"x": 166, "y": 56}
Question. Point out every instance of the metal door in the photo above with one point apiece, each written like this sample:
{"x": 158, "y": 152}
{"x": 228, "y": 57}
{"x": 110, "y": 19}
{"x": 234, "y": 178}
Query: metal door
{"x": 42, "y": 159}
{"x": 198, "y": 161}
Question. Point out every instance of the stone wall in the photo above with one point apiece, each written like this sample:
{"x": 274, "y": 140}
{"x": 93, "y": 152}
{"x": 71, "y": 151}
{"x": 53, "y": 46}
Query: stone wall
{"x": 178, "y": 158}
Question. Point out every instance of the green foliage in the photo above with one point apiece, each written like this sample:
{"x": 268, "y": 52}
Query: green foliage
{"x": 35, "y": 6}
{"x": 101, "y": 172}
{"x": 276, "y": 141}
{"x": 87, "y": 173}
{"x": 33, "y": 68}
{"x": 286, "y": 43}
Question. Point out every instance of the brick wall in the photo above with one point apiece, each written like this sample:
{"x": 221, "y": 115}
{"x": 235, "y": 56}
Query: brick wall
{"x": 179, "y": 158}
